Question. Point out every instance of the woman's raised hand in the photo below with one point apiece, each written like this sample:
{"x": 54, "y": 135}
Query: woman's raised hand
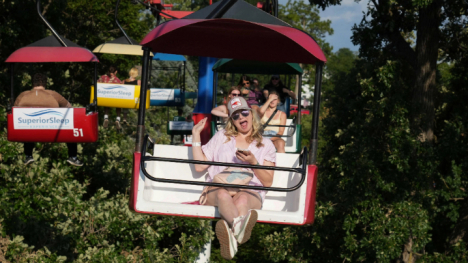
{"x": 198, "y": 128}
{"x": 272, "y": 97}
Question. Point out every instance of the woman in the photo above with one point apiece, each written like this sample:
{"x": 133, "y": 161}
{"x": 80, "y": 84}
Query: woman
{"x": 221, "y": 110}
{"x": 282, "y": 91}
{"x": 111, "y": 77}
{"x": 279, "y": 118}
{"x": 247, "y": 91}
{"x": 132, "y": 74}
{"x": 243, "y": 131}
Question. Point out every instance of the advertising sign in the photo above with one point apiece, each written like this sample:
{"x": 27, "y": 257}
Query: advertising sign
{"x": 116, "y": 91}
{"x": 180, "y": 126}
{"x": 162, "y": 94}
{"x": 43, "y": 118}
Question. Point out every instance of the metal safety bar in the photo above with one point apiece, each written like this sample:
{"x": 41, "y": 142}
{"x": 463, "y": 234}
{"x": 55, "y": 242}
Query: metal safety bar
{"x": 291, "y": 134}
{"x": 302, "y": 170}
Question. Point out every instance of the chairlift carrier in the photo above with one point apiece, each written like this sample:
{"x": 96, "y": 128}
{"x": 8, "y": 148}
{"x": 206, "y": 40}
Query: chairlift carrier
{"x": 40, "y": 124}
{"x": 165, "y": 182}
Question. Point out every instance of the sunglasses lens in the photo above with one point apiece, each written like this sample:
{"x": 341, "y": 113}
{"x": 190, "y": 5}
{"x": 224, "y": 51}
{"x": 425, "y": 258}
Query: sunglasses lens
{"x": 236, "y": 115}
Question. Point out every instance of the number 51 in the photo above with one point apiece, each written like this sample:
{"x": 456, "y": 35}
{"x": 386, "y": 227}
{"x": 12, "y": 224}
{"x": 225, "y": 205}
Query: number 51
{"x": 77, "y": 132}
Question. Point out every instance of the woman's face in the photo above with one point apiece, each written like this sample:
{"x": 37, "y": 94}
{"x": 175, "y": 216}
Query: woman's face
{"x": 242, "y": 122}
{"x": 246, "y": 84}
{"x": 234, "y": 93}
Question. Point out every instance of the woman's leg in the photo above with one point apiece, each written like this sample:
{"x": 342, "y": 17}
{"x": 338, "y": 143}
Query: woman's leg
{"x": 221, "y": 198}
{"x": 242, "y": 227}
{"x": 280, "y": 144}
{"x": 106, "y": 117}
{"x": 246, "y": 200}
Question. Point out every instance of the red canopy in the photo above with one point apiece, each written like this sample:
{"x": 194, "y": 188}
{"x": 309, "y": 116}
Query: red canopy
{"x": 236, "y": 39}
{"x": 52, "y": 54}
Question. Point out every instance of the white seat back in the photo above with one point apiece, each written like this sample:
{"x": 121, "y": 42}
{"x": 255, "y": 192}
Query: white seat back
{"x": 291, "y": 142}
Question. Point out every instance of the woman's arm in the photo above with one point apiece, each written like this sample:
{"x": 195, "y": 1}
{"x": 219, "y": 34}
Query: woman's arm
{"x": 282, "y": 122}
{"x": 265, "y": 176}
{"x": 290, "y": 93}
{"x": 197, "y": 150}
{"x": 139, "y": 82}
{"x": 220, "y": 111}
{"x": 263, "y": 109}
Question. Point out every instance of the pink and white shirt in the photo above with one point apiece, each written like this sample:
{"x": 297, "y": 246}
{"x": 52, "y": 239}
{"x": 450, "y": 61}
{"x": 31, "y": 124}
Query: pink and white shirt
{"x": 218, "y": 150}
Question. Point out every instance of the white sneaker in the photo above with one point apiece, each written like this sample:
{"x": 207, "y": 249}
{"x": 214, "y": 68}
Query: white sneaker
{"x": 242, "y": 226}
{"x": 226, "y": 240}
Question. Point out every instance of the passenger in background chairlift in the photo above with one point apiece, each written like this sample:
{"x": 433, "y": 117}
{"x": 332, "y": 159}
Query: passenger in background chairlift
{"x": 221, "y": 110}
{"x": 132, "y": 75}
{"x": 257, "y": 91}
{"x": 40, "y": 97}
{"x": 278, "y": 119}
{"x": 247, "y": 91}
{"x": 282, "y": 91}
{"x": 111, "y": 77}
{"x": 240, "y": 142}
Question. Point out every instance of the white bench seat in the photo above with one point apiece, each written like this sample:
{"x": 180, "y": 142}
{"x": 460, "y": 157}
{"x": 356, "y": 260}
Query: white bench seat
{"x": 168, "y": 198}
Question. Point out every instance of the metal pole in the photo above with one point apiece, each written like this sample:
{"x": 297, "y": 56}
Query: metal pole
{"x": 185, "y": 66}
{"x": 38, "y": 3}
{"x": 316, "y": 114}
{"x": 141, "y": 110}
{"x": 117, "y": 22}
{"x": 95, "y": 86}
{"x": 12, "y": 101}
{"x": 222, "y": 7}
{"x": 232, "y": 79}
{"x": 215, "y": 76}
{"x": 299, "y": 110}
{"x": 150, "y": 68}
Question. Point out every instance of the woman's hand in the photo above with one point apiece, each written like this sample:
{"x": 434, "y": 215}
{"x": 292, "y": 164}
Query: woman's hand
{"x": 246, "y": 156}
{"x": 197, "y": 129}
{"x": 272, "y": 97}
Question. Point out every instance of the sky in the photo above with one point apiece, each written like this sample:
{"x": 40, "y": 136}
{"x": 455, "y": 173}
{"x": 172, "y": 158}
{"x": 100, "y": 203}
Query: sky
{"x": 343, "y": 17}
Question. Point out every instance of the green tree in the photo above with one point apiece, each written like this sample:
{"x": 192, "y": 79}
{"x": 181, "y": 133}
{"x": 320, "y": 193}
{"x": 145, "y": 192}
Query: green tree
{"x": 383, "y": 29}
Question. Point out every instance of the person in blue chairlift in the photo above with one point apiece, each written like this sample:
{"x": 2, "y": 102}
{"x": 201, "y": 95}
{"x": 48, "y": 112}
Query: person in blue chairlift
{"x": 40, "y": 97}
{"x": 240, "y": 142}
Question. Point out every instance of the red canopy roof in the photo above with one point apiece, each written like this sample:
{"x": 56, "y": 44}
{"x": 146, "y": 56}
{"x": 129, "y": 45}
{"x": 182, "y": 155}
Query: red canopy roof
{"x": 52, "y": 54}
{"x": 236, "y": 39}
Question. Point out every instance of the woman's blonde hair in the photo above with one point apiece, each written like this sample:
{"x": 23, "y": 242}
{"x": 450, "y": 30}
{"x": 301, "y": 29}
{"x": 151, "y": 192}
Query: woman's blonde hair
{"x": 257, "y": 130}
{"x": 133, "y": 72}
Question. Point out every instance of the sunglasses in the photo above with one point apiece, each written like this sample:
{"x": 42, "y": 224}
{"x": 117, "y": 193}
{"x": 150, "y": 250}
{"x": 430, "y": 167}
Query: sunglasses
{"x": 236, "y": 115}
{"x": 274, "y": 78}
{"x": 246, "y": 83}
{"x": 235, "y": 94}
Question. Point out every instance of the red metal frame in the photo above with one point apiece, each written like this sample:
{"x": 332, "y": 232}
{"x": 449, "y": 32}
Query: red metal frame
{"x": 88, "y": 123}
